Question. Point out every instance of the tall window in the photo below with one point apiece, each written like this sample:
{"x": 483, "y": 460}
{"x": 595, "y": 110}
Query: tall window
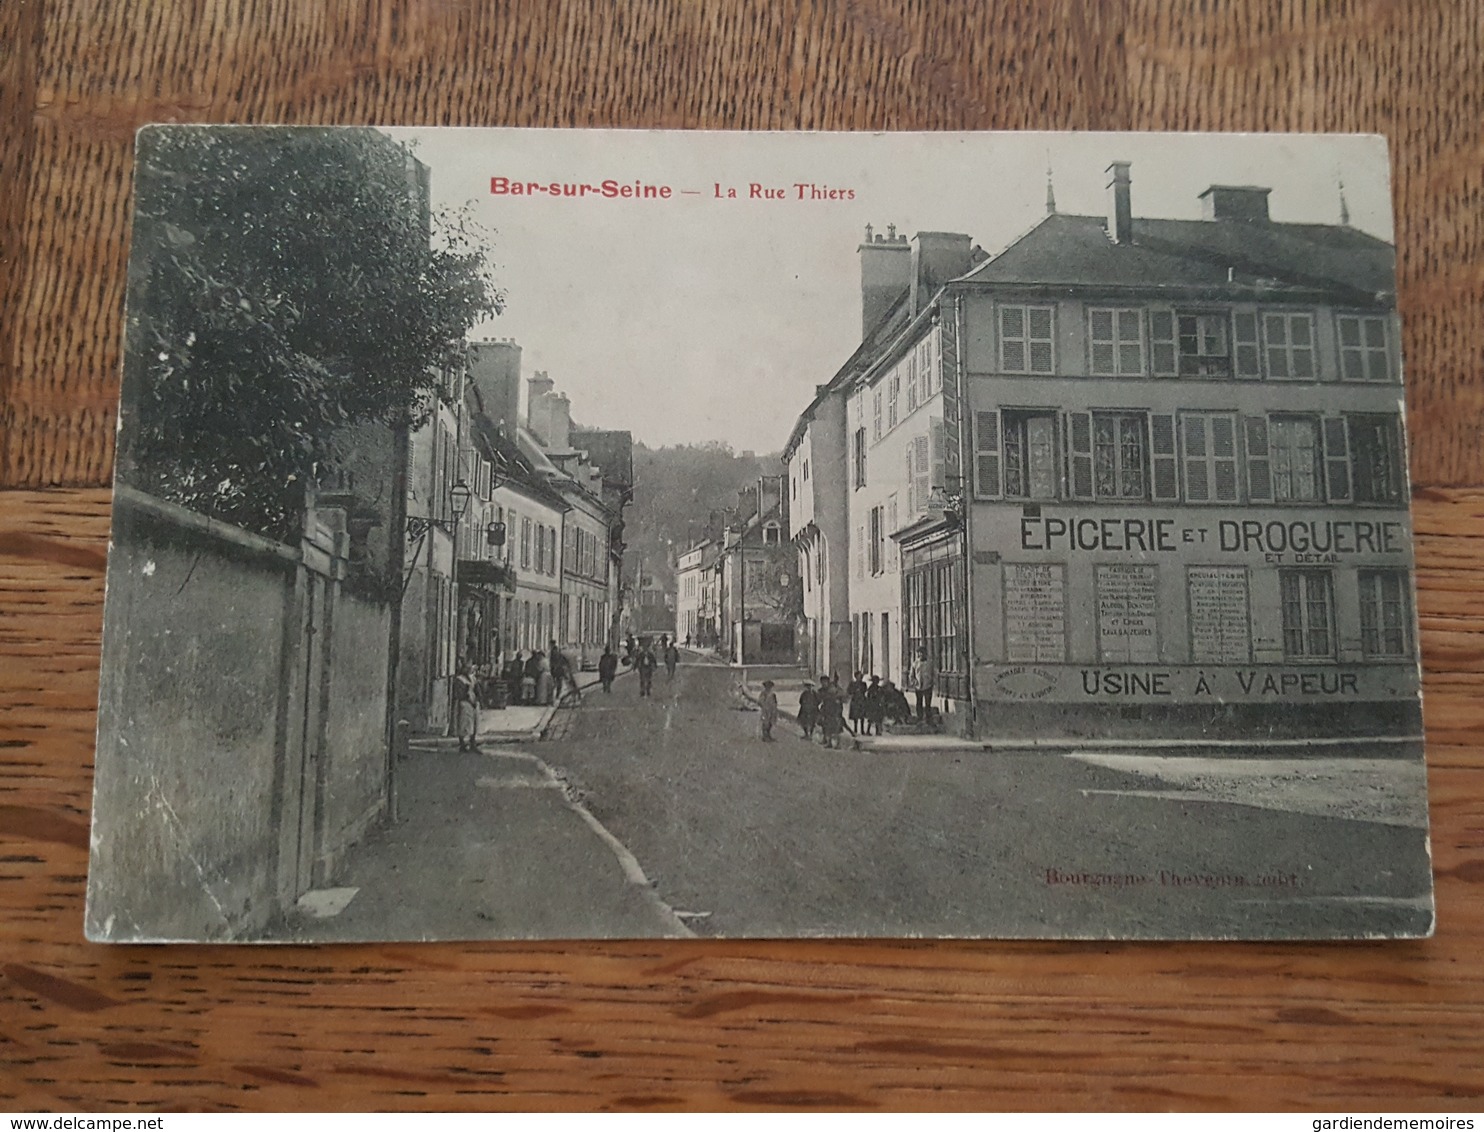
{"x": 1026, "y": 340}
{"x": 876, "y": 413}
{"x": 1030, "y": 454}
{"x": 893, "y": 394}
{"x": 908, "y": 367}
{"x": 1119, "y": 456}
{"x": 1202, "y": 341}
{"x": 525, "y": 542}
{"x": 1377, "y": 473}
{"x": 1209, "y": 455}
{"x": 934, "y": 616}
{"x": 858, "y": 455}
{"x": 1308, "y": 614}
{"x": 1290, "y": 339}
{"x": 1293, "y": 445}
{"x": 1117, "y": 342}
{"x": 927, "y": 378}
{"x": 1363, "y": 352}
{"x": 893, "y": 521}
{"x": 1385, "y": 615}
{"x": 877, "y": 539}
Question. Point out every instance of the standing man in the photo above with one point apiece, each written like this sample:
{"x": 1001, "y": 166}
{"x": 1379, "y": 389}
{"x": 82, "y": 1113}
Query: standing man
{"x": 607, "y": 669}
{"x": 646, "y": 664}
{"x": 921, "y": 676}
{"x": 672, "y": 658}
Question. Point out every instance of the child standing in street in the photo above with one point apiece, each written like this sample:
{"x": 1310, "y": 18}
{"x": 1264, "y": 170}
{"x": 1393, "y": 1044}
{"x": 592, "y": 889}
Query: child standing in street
{"x": 768, "y": 701}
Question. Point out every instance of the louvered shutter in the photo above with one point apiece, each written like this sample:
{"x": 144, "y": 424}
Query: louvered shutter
{"x": 1162, "y": 352}
{"x": 912, "y": 500}
{"x": 1224, "y": 457}
{"x": 1164, "y": 459}
{"x": 987, "y": 480}
{"x": 1259, "y": 466}
{"x": 937, "y": 455}
{"x": 922, "y": 480}
{"x": 1079, "y": 455}
{"x": 1336, "y": 459}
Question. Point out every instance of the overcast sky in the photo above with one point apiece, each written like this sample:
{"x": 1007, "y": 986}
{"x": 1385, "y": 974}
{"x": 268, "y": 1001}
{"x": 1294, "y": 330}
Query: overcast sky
{"x": 696, "y": 318}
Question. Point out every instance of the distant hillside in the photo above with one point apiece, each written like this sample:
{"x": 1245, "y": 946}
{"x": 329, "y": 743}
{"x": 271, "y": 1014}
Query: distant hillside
{"x": 675, "y": 490}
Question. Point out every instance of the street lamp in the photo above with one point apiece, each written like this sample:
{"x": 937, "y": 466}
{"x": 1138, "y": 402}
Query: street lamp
{"x": 459, "y": 495}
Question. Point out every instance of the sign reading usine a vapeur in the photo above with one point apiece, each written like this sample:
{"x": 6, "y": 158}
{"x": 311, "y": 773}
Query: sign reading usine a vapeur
{"x": 588, "y": 534}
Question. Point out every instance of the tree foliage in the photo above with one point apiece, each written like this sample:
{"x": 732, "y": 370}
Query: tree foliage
{"x": 285, "y": 283}
{"x": 677, "y": 491}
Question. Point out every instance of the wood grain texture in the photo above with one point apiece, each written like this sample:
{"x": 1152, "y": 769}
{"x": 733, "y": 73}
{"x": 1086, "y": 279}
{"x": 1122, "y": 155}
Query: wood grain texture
{"x": 672, "y": 1025}
{"x": 706, "y": 1023}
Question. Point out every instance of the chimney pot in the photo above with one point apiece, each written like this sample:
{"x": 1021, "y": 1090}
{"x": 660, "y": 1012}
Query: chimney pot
{"x": 1120, "y": 206}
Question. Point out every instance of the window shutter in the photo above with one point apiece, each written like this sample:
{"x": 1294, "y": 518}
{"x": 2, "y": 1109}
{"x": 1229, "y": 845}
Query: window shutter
{"x": 923, "y": 472}
{"x": 1336, "y": 459}
{"x": 1224, "y": 457}
{"x": 987, "y": 480}
{"x": 1259, "y": 467}
{"x": 938, "y": 460}
{"x": 1166, "y": 480}
{"x": 1197, "y": 481}
{"x": 1248, "y": 353}
{"x": 1162, "y": 343}
{"x": 912, "y": 500}
{"x": 1079, "y": 455}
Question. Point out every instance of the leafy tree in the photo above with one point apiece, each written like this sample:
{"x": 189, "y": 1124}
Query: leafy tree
{"x": 286, "y": 284}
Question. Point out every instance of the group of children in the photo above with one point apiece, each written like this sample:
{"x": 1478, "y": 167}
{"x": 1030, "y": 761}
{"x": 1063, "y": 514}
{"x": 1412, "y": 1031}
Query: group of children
{"x": 868, "y": 707}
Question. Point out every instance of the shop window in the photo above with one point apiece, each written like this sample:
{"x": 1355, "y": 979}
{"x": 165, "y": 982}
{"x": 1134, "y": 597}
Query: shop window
{"x": 1364, "y": 355}
{"x": 934, "y": 619}
{"x": 1377, "y": 471}
{"x": 1209, "y": 457}
{"x": 1290, "y": 343}
{"x": 1308, "y": 614}
{"x": 1117, "y": 338}
{"x": 1385, "y": 614}
{"x": 1026, "y": 340}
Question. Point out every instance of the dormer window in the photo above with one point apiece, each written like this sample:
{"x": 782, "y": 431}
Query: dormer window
{"x": 772, "y": 535}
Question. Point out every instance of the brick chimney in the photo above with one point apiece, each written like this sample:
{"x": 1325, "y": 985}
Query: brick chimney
{"x": 937, "y": 257}
{"x": 494, "y": 367}
{"x": 1120, "y": 207}
{"x": 886, "y": 270}
{"x": 1235, "y": 202}
{"x": 558, "y": 418}
{"x": 537, "y": 388}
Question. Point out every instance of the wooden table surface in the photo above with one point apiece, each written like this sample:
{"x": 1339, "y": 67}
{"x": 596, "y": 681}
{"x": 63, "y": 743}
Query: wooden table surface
{"x": 725, "y": 1024}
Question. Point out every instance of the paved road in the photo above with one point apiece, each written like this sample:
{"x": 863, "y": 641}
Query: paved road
{"x": 791, "y": 839}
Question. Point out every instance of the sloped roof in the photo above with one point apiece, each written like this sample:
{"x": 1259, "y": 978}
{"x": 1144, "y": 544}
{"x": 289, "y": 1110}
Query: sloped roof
{"x": 611, "y": 451}
{"x": 1075, "y": 251}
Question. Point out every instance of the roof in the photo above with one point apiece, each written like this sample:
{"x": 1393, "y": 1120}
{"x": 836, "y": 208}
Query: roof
{"x": 513, "y": 467}
{"x": 611, "y": 451}
{"x": 1232, "y": 255}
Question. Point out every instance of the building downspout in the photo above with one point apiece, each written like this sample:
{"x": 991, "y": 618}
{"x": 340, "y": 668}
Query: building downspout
{"x": 966, "y": 508}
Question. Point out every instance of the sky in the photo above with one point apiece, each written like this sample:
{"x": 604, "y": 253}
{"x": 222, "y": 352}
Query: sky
{"x": 703, "y": 318}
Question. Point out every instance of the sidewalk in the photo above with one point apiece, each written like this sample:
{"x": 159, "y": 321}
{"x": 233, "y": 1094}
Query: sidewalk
{"x": 518, "y": 723}
{"x": 488, "y": 845}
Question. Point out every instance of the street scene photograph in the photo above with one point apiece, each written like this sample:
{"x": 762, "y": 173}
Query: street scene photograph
{"x": 559, "y": 534}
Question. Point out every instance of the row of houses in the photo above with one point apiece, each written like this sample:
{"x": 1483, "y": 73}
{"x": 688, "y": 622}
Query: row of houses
{"x": 737, "y": 589}
{"x": 515, "y": 524}
{"x": 1127, "y": 470}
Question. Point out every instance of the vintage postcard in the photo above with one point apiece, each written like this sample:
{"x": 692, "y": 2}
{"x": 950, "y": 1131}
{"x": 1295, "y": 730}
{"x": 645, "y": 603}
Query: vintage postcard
{"x": 563, "y": 534}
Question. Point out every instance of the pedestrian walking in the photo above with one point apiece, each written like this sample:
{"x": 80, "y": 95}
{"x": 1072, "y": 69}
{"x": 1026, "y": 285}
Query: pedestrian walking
{"x": 672, "y": 658}
{"x": 875, "y": 706}
{"x": 563, "y": 676}
{"x": 466, "y": 705}
{"x": 768, "y": 701}
{"x": 856, "y": 694}
{"x": 529, "y": 674}
{"x": 921, "y": 676}
{"x": 646, "y": 664}
{"x": 607, "y": 669}
{"x": 543, "y": 678}
{"x": 831, "y": 713}
{"x": 808, "y": 710}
